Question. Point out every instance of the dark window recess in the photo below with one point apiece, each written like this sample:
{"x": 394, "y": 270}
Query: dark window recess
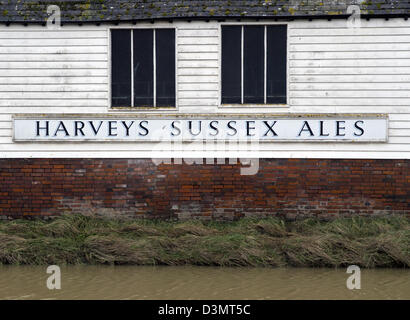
{"x": 121, "y": 68}
{"x": 144, "y": 64}
{"x": 231, "y": 64}
{"x": 165, "y": 67}
{"x": 254, "y": 64}
{"x": 276, "y": 64}
{"x": 143, "y": 68}
{"x": 260, "y": 75}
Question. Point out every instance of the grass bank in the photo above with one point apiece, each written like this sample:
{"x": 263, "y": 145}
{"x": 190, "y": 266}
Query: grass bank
{"x": 76, "y": 239}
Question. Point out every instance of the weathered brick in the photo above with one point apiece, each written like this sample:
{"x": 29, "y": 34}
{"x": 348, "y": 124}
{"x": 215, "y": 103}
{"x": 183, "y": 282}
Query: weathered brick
{"x": 287, "y": 187}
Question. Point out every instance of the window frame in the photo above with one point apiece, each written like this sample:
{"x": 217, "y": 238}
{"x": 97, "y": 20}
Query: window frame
{"x": 252, "y": 105}
{"x": 137, "y": 108}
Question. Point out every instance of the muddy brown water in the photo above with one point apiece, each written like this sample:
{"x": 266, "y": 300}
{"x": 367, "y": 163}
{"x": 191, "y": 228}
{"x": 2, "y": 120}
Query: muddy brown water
{"x": 124, "y": 282}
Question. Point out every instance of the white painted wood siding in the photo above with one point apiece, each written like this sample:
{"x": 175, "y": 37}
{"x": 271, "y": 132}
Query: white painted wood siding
{"x": 332, "y": 69}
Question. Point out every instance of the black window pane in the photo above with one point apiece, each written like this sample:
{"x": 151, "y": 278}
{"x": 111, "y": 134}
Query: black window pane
{"x": 276, "y": 64}
{"x": 121, "y": 68}
{"x": 253, "y": 65}
{"x": 143, "y": 68}
{"x": 231, "y": 64}
{"x": 165, "y": 67}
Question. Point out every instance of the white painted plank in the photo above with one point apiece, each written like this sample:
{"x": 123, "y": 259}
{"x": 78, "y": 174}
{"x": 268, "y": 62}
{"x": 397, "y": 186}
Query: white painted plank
{"x": 352, "y": 71}
{"x": 4, "y": 117}
{"x": 198, "y": 71}
{"x": 194, "y": 79}
{"x": 390, "y": 86}
{"x": 399, "y": 139}
{"x": 71, "y": 109}
{"x": 51, "y": 34}
{"x": 400, "y": 117}
{"x": 353, "y": 55}
{"x": 41, "y": 28}
{"x": 50, "y": 42}
{"x": 5, "y": 124}
{"x": 53, "y": 87}
{"x": 53, "y": 73}
{"x": 53, "y": 80}
{"x": 55, "y": 103}
{"x": 64, "y": 57}
{"x": 351, "y": 94}
{"x": 349, "y": 101}
{"x": 197, "y": 87}
{"x": 350, "y": 47}
{"x": 351, "y": 78}
{"x": 332, "y": 63}
{"x": 197, "y": 48}
{"x": 198, "y": 41}
{"x": 198, "y": 64}
{"x": 26, "y": 95}
{"x": 365, "y": 109}
{"x": 211, "y": 154}
{"x": 52, "y": 65}
{"x": 196, "y": 26}
{"x": 351, "y": 39}
{"x": 195, "y": 102}
{"x": 199, "y": 94}
{"x": 199, "y": 56}
{"x": 198, "y": 33}
{"x": 342, "y": 23}
{"x": 54, "y": 50}
{"x": 127, "y": 146}
{"x": 335, "y": 32}
{"x": 400, "y": 133}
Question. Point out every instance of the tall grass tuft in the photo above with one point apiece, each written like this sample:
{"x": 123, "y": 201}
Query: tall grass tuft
{"x": 270, "y": 242}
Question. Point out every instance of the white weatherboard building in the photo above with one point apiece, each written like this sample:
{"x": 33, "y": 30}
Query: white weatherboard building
{"x": 299, "y": 80}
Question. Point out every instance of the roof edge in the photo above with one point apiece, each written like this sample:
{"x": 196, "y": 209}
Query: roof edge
{"x": 217, "y": 18}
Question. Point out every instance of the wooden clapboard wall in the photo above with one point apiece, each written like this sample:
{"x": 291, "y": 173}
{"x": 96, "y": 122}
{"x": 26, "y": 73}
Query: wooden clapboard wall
{"x": 332, "y": 69}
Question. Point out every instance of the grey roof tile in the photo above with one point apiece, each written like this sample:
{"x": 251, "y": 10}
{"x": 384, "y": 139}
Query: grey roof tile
{"x": 125, "y": 10}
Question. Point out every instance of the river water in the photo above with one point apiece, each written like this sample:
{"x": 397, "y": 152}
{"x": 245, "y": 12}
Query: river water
{"x": 124, "y": 282}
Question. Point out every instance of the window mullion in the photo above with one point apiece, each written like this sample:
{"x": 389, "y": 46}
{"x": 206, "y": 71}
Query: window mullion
{"x": 132, "y": 67}
{"x": 155, "y": 68}
{"x": 242, "y": 61}
{"x": 265, "y": 64}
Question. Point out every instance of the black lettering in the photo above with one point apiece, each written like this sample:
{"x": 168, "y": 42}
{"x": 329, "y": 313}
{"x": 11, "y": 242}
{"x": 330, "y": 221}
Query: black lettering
{"x": 94, "y": 129}
{"x": 232, "y": 128}
{"x": 356, "y": 125}
{"x": 61, "y": 127}
{"x": 211, "y": 125}
{"x": 249, "y": 128}
{"x": 338, "y": 128}
{"x": 270, "y": 128}
{"x": 174, "y": 127}
{"x": 322, "y": 133}
{"x": 42, "y": 128}
{"x": 144, "y": 128}
{"x": 127, "y": 128}
{"x": 190, "y": 128}
{"x": 112, "y": 128}
{"x": 308, "y": 129}
{"x": 78, "y": 127}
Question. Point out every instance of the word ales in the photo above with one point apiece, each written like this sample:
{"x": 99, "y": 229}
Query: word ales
{"x": 265, "y": 129}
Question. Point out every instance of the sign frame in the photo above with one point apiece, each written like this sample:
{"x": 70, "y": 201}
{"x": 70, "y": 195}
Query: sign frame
{"x": 201, "y": 116}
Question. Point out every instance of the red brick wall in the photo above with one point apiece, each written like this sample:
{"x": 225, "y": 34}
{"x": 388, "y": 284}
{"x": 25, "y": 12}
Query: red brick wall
{"x": 139, "y": 188}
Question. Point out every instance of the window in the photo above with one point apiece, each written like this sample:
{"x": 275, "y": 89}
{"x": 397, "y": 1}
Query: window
{"x": 254, "y": 64}
{"x": 143, "y": 67}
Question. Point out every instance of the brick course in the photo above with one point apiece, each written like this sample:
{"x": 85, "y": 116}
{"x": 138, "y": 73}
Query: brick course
{"x": 138, "y": 188}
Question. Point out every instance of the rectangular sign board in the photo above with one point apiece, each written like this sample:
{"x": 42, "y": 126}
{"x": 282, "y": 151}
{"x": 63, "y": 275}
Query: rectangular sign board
{"x": 320, "y": 128}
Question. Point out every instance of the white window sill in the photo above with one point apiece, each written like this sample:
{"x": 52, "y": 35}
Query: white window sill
{"x": 250, "y": 106}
